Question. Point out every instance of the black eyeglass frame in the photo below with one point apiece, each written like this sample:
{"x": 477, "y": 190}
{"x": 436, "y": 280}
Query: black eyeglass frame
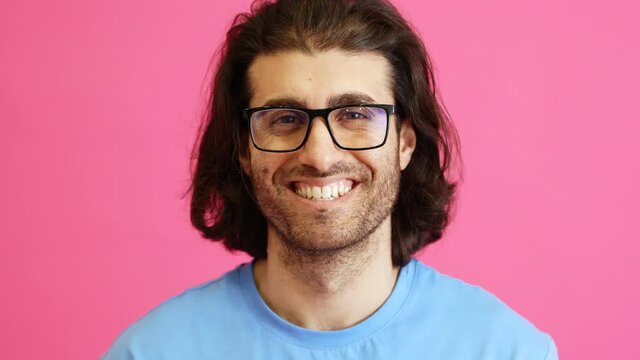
{"x": 324, "y": 114}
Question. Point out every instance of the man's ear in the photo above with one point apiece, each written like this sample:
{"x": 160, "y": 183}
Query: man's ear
{"x": 245, "y": 162}
{"x": 407, "y": 143}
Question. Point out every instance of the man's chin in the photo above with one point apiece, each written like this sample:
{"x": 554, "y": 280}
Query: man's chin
{"x": 319, "y": 243}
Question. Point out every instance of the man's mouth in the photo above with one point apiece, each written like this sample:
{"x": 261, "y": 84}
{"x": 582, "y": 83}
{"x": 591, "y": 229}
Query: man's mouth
{"x": 328, "y": 191}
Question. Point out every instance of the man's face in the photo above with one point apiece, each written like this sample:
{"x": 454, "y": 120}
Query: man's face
{"x": 367, "y": 181}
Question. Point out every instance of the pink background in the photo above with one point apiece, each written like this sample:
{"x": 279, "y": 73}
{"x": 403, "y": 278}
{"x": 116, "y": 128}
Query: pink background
{"x": 99, "y": 105}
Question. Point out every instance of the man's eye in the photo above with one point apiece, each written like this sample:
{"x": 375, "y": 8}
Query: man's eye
{"x": 286, "y": 120}
{"x": 355, "y": 115}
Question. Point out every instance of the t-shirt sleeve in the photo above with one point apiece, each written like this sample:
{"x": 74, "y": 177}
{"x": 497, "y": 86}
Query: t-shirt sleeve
{"x": 121, "y": 349}
{"x": 552, "y": 352}
{"x": 113, "y": 354}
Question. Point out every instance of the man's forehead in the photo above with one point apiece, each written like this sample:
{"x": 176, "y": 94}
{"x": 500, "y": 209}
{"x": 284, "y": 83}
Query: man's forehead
{"x": 320, "y": 79}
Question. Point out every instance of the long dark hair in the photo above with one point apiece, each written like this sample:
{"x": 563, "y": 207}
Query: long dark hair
{"x": 222, "y": 204}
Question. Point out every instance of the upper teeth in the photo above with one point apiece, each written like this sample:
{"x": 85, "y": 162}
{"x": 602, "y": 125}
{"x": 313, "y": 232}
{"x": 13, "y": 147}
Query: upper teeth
{"x": 326, "y": 192}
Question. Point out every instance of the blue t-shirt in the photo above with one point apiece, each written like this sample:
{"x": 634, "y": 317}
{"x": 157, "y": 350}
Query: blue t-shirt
{"x": 427, "y": 316}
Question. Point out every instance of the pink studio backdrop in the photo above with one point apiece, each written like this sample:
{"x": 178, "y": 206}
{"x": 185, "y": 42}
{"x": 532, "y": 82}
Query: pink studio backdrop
{"x": 100, "y": 103}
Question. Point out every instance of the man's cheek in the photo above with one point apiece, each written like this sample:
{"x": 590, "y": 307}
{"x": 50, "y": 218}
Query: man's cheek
{"x": 264, "y": 172}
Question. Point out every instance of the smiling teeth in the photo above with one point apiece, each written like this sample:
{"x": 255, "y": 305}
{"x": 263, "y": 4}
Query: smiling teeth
{"x": 327, "y": 192}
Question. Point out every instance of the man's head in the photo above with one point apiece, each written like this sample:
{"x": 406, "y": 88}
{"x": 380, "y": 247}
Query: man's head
{"x": 284, "y": 183}
{"x": 323, "y": 54}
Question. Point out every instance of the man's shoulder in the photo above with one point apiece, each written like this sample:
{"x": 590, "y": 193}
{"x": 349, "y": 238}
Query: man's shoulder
{"x": 474, "y": 314}
{"x": 181, "y": 319}
{"x": 199, "y": 300}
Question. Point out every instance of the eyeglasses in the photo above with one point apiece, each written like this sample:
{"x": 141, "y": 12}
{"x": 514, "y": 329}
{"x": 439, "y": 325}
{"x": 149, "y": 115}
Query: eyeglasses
{"x": 353, "y": 127}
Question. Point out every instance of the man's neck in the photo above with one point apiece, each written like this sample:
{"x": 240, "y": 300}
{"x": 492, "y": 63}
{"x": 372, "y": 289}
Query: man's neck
{"x": 328, "y": 291}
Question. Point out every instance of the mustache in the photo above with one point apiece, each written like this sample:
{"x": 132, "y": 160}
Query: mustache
{"x": 341, "y": 168}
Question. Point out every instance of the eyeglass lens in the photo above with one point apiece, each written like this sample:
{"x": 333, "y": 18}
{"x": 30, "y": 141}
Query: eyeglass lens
{"x": 352, "y": 127}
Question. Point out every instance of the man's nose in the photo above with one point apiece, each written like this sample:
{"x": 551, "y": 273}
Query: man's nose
{"x": 319, "y": 150}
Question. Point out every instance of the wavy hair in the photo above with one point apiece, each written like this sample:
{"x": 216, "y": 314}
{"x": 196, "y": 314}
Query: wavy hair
{"x": 222, "y": 204}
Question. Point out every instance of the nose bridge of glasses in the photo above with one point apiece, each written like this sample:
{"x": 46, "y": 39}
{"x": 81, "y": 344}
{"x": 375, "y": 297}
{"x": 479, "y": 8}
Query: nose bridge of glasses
{"x": 319, "y": 119}
{"x": 319, "y": 149}
{"x": 315, "y": 136}
{"x": 321, "y": 113}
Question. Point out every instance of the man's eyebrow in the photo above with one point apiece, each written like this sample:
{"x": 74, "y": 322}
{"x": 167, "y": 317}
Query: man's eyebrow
{"x": 354, "y": 98}
{"x": 286, "y": 101}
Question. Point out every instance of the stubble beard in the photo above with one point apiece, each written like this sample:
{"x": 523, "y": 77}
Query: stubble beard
{"x": 328, "y": 244}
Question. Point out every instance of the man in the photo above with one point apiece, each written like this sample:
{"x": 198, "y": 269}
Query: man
{"x": 324, "y": 157}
